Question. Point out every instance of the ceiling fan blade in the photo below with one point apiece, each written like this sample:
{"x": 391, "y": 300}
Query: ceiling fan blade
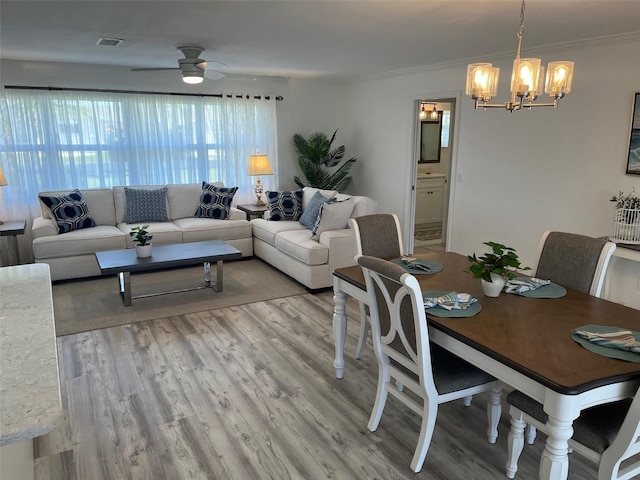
{"x": 152, "y": 69}
{"x": 217, "y": 64}
{"x": 213, "y": 75}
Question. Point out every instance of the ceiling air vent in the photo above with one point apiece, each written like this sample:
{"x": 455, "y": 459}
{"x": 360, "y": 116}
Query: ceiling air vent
{"x": 109, "y": 42}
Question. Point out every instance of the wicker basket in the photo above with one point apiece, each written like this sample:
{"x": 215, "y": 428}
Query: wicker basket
{"x": 626, "y": 226}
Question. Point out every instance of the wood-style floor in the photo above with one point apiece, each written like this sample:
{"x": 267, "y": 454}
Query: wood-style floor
{"x": 250, "y": 392}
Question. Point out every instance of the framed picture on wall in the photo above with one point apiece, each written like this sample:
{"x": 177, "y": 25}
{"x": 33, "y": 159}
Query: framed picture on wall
{"x": 633, "y": 161}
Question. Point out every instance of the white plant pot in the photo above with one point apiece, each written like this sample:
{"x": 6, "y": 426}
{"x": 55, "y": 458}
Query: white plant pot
{"x": 143, "y": 251}
{"x": 494, "y": 287}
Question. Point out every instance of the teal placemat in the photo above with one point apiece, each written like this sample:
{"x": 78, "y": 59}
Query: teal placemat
{"x": 606, "y": 351}
{"x": 438, "y": 311}
{"x": 422, "y": 265}
{"x": 553, "y": 290}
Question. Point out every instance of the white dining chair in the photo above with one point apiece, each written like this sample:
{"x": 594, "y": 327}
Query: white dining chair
{"x": 607, "y": 434}
{"x": 574, "y": 261}
{"x": 419, "y": 374}
{"x": 377, "y": 235}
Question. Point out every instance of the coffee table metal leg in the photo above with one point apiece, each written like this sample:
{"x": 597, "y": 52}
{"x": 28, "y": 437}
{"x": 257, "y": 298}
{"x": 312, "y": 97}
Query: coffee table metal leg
{"x": 218, "y": 287}
{"x": 207, "y": 274}
{"x": 124, "y": 279}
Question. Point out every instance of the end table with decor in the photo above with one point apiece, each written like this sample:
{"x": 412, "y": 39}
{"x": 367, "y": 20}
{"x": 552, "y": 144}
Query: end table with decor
{"x": 253, "y": 211}
{"x": 12, "y": 229}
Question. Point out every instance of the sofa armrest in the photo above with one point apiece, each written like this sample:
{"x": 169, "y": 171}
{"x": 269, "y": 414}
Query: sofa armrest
{"x": 235, "y": 214}
{"x": 43, "y": 227}
{"x": 342, "y": 248}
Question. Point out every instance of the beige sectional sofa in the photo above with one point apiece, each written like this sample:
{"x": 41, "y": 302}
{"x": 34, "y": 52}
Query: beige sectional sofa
{"x": 71, "y": 254}
{"x": 293, "y": 249}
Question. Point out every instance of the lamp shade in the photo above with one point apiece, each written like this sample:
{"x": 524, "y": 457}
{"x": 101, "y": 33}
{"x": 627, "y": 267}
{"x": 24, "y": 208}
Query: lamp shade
{"x": 3, "y": 179}
{"x": 259, "y": 165}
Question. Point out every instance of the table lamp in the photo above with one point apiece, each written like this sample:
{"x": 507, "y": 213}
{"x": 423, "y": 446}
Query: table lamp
{"x": 259, "y": 165}
{"x": 3, "y": 183}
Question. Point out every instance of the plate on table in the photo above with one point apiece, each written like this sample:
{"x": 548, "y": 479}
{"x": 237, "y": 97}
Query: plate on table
{"x": 438, "y": 311}
{"x": 606, "y": 351}
{"x": 423, "y": 265}
{"x": 552, "y": 290}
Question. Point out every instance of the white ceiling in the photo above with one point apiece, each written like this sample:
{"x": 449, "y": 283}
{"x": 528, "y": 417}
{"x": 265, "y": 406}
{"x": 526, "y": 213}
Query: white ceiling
{"x": 305, "y": 38}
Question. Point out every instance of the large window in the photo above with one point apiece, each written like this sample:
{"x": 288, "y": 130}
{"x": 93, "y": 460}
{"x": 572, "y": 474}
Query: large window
{"x": 57, "y": 140}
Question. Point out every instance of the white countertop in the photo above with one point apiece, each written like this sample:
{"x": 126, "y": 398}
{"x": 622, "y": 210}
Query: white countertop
{"x": 30, "y": 401}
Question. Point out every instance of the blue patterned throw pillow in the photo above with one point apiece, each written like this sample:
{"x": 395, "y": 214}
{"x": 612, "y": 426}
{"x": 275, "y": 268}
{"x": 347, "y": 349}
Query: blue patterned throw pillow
{"x": 310, "y": 214}
{"x": 146, "y": 205}
{"x": 285, "y": 205}
{"x": 69, "y": 211}
{"x": 215, "y": 202}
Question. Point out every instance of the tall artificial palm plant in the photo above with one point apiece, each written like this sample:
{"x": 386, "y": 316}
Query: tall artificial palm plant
{"x": 322, "y": 167}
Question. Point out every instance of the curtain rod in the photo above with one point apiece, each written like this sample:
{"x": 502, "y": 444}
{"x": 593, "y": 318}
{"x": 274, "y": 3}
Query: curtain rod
{"x": 278, "y": 98}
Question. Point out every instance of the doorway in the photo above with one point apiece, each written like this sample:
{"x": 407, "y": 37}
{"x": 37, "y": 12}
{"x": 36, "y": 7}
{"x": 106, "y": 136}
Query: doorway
{"x": 433, "y": 172}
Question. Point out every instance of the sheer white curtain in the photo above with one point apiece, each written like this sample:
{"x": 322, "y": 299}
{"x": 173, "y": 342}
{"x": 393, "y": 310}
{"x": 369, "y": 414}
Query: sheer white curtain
{"x": 62, "y": 140}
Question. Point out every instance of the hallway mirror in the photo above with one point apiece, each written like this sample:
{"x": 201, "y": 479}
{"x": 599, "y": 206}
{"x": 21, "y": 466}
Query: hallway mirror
{"x": 430, "y": 135}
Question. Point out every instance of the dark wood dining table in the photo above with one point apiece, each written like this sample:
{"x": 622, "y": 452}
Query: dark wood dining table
{"x": 525, "y": 342}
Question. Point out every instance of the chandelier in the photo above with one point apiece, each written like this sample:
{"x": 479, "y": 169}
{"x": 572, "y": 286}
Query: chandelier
{"x": 526, "y": 80}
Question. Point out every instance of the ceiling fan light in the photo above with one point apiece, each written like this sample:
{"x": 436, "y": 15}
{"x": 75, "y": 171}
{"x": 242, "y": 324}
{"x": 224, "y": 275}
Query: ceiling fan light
{"x": 192, "y": 78}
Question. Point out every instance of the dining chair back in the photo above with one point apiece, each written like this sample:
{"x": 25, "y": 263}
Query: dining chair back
{"x": 377, "y": 235}
{"x": 574, "y": 261}
{"x": 420, "y": 374}
{"x": 607, "y": 434}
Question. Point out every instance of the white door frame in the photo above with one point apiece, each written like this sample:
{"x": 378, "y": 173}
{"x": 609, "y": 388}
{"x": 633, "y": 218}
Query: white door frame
{"x": 409, "y": 224}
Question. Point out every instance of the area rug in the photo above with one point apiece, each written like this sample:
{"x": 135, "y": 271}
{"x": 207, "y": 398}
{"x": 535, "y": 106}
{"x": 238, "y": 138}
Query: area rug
{"x": 428, "y": 234}
{"x": 94, "y": 303}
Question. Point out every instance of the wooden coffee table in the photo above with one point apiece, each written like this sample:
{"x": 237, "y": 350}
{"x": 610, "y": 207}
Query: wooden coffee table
{"x": 124, "y": 262}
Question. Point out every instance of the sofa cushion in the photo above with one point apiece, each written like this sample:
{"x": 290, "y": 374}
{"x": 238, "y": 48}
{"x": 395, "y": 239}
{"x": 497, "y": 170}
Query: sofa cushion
{"x": 309, "y": 192}
{"x": 164, "y": 233}
{"x": 196, "y": 229}
{"x": 285, "y": 205}
{"x": 311, "y": 211}
{"x": 364, "y": 206}
{"x": 80, "y": 242}
{"x": 266, "y": 230}
{"x": 70, "y": 211}
{"x": 98, "y": 200}
{"x": 333, "y": 216}
{"x": 183, "y": 199}
{"x": 299, "y": 245}
{"x": 215, "y": 202}
{"x": 146, "y": 205}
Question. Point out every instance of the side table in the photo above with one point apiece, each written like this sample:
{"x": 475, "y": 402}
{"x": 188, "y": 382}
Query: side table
{"x": 12, "y": 229}
{"x": 253, "y": 211}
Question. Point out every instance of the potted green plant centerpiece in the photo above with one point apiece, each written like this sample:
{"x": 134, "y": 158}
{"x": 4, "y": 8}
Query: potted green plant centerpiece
{"x": 142, "y": 239}
{"x": 495, "y": 268}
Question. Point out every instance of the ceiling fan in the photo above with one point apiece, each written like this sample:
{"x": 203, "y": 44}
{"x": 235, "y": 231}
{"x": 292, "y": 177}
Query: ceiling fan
{"x": 193, "y": 68}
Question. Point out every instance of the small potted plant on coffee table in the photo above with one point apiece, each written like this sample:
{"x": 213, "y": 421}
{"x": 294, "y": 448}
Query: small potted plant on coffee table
{"x": 495, "y": 268}
{"x": 142, "y": 239}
